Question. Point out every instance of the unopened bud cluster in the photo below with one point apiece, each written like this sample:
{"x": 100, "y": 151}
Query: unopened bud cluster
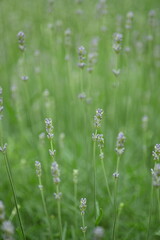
{"x": 82, "y": 57}
{"x": 75, "y": 175}
{"x": 1, "y": 103}
{"x": 21, "y": 37}
{"x": 120, "y": 143}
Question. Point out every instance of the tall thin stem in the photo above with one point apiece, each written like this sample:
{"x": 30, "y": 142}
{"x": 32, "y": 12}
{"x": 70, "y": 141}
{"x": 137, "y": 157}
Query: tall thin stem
{"x": 106, "y": 180}
{"x": 115, "y": 199}
{"x": 44, "y": 207}
{"x": 150, "y": 212}
{"x": 14, "y": 193}
{"x": 94, "y": 175}
{"x": 83, "y": 225}
{"x": 75, "y": 205}
{"x": 59, "y": 213}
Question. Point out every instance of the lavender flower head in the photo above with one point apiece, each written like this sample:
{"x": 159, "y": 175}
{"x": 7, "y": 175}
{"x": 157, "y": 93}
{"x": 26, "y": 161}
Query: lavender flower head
{"x": 120, "y": 143}
{"x": 49, "y": 128}
{"x": 98, "y": 117}
{"x": 83, "y": 205}
{"x": 38, "y": 168}
{"x": 21, "y": 37}
{"x": 75, "y": 175}
{"x": 156, "y": 152}
{"x": 82, "y": 56}
{"x": 55, "y": 172}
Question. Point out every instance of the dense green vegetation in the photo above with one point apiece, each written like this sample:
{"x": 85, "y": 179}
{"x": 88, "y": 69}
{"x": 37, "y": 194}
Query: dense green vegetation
{"x": 75, "y": 57}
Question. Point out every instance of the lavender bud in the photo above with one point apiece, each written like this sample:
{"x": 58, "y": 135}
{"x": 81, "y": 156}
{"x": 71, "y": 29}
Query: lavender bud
{"x": 120, "y": 143}
{"x": 156, "y": 152}
{"x": 55, "y": 172}
{"x": 83, "y": 205}
{"x": 57, "y": 196}
{"x": 38, "y": 168}
{"x": 4, "y": 148}
{"x": 116, "y": 175}
{"x": 75, "y": 175}
{"x": 52, "y": 152}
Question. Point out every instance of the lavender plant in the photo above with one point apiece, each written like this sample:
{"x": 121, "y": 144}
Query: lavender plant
{"x": 119, "y": 150}
{"x": 55, "y": 171}
{"x": 83, "y": 206}
{"x": 40, "y": 186}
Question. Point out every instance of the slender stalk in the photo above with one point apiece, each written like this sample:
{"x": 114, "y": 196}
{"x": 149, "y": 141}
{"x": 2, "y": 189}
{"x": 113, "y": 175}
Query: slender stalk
{"x": 115, "y": 200}
{"x": 44, "y": 207}
{"x": 59, "y": 213}
{"x": 75, "y": 205}
{"x": 94, "y": 175}
{"x": 158, "y": 201}
{"x": 14, "y": 193}
{"x": 150, "y": 212}
{"x": 83, "y": 225}
{"x": 106, "y": 180}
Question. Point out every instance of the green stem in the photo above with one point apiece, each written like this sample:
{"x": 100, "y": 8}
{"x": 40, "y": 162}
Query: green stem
{"x": 115, "y": 209}
{"x": 14, "y": 192}
{"x": 150, "y": 212}
{"x": 83, "y": 225}
{"x": 44, "y": 207}
{"x": 75, "y": 205}
{"x": 59, "y": 214}
{"x": 94, "y": 176}
{"x": 158, "y": 200}
{"x": 106, "y": 180}
{"x": 115, "y": 200}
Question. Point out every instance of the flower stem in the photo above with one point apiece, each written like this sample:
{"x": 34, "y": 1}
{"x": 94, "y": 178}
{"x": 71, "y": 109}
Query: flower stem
{"x": 14, "y": 192}
{"x": 150, "y": 212}
{"x": 115, "y": 201}
{"x": 106, "y": 180}
{"x": 94, "y": 174}
{"x": 44, "y": 207}
{"x": 59, "y": 214}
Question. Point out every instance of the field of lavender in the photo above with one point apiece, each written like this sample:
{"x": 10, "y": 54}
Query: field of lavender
{"x": 79, "y": 120}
